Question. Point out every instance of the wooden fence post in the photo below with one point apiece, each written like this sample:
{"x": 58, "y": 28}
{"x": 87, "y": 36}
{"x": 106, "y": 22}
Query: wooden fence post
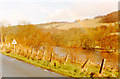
{"x": 51, "y": 56}
{"x": 102, "y": 65}
{"x": 85, "y": 63}
{"x": 66, "y": 58}
{"x": 44, "y": 52}
{"x": 32, "y": 52}
{"x": 37, "y": 55}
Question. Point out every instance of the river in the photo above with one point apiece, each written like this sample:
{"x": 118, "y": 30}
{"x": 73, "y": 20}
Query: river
{"x": 82, "y": 55}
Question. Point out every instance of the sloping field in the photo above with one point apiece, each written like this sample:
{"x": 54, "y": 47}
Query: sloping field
{"x": 79, "y": 24}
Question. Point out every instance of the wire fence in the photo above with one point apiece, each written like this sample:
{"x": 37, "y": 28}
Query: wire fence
{"x": 55, "y": 53}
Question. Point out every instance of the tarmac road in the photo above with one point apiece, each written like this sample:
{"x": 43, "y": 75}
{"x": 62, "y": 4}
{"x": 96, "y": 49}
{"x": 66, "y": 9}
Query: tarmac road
{"x": 15, "y": 68}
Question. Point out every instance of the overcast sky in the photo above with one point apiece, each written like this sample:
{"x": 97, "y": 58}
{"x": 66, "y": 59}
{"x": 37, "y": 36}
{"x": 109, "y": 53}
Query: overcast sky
{"x": 41, "y": 11}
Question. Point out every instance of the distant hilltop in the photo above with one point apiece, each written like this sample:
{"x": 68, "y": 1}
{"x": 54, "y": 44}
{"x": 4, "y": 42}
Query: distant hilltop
{"x": 110, "y": 18}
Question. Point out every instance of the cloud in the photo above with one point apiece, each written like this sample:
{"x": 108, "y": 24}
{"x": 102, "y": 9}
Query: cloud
{"x": 38, "y": 11}
{"x": 83, "y": 10}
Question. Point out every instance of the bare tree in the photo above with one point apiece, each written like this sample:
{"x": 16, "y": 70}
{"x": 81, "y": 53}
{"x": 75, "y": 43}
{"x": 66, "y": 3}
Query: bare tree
{"x": 24, "y": 22}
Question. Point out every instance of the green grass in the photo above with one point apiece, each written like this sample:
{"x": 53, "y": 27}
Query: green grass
{"x": 67, "y": 69}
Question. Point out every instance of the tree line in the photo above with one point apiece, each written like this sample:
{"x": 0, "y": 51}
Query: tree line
{"x": 89, "y": 38}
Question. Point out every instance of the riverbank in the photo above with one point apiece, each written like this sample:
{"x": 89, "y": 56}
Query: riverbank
{"x": 66, "y": 68}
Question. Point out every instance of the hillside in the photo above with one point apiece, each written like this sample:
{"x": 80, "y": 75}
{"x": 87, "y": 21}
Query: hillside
{"x": 107, "y": 20}
{"x": 110, "y": 18}
{"x": 87, "y": 33}
{"x": 68, "y": 25}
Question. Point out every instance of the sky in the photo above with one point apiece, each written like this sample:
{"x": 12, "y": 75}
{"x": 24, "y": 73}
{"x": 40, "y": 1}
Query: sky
{"x": 43, "y": 11}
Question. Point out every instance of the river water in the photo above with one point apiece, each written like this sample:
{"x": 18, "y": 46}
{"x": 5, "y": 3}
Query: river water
{"x": 82, "y": 55}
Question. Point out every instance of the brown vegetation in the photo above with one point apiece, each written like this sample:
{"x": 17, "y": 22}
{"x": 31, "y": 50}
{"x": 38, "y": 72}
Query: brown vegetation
{"x": 110, "y": 18}
{"x": 34, "y": 37}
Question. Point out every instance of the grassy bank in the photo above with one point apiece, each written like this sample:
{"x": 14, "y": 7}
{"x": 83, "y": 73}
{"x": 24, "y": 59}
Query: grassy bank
{"x": 68, "y": 69}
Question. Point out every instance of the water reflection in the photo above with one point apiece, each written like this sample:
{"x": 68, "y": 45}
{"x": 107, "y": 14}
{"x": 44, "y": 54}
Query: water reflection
{"x": 82, "y": 55}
